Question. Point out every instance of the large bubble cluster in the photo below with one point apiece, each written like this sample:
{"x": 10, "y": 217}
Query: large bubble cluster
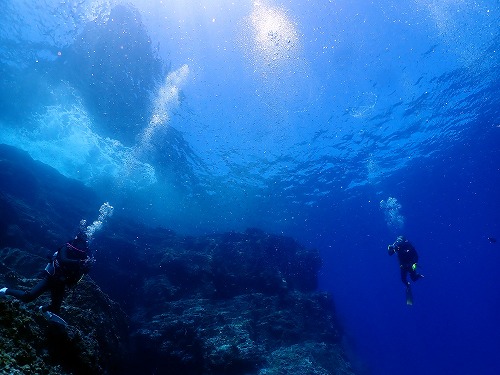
{"x": 167, "y": 99}
{"x": 392, "y": 212}
{"x": 105, "y": 211}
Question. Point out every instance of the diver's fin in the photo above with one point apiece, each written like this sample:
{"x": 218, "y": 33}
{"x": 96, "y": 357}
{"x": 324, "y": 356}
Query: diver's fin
{"x": 57, "y": 319}
{"x": 54, "y": 318}
{"x": 409, "y": 296}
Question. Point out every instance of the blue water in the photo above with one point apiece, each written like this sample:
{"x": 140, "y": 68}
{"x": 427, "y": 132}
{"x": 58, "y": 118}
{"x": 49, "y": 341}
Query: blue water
{"x": 297, "y": 117}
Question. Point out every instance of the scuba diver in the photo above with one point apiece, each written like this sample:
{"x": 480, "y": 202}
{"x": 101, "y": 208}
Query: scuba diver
{"x": 408, "y": 258}
{"x": 67, "y": 267}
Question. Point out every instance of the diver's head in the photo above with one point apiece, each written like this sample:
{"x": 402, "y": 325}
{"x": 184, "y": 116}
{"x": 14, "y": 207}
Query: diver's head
{"x": 400, "y": 240}
{"x": 83, "y": 225}
{"x": 81, "y": 241}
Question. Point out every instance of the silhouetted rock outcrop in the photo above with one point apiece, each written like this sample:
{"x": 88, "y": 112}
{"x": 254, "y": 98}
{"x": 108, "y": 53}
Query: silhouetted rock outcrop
{"x": 231, "y": 303}
{"x": 92, "y": 343}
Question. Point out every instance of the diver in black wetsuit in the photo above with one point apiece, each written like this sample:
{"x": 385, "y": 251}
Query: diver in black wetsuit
{"x": 67, "y": 267}
{"x": 408, "y": 258}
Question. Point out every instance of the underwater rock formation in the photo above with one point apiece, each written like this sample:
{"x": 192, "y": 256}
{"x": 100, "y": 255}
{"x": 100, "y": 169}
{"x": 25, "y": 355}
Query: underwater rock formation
{"x": 231, "y": 303}
{"x": 38, "y": 205}
{"x": 92, "y": 343}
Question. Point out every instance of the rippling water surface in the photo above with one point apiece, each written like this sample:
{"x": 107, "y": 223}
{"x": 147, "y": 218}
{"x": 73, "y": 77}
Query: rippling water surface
{"x": 342, "y": 123}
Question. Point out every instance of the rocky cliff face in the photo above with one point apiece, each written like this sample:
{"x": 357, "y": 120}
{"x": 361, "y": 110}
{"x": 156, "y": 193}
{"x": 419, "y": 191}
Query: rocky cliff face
{"x": 232, "y": 303}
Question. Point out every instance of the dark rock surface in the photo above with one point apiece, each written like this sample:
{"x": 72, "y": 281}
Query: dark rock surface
{"x": 92, "y": 343}
{"x": 232, "y": 303}
{"x": 38, "y": 206}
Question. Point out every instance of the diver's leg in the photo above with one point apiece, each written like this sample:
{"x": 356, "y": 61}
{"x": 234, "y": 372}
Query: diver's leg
{"x": 57, "y": 295}
{"x": 32, "y": 294}
{"x": 414, "y": 275}
{"x": 403, "y": 276}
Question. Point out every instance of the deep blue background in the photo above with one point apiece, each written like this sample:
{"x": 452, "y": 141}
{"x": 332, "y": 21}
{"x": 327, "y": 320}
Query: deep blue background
{"x": 451, "y": 208}
{"x": 296, "y": 117}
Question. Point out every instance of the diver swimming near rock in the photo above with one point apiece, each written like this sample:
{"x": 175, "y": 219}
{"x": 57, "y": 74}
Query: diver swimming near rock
{"x": 67, "y": 266}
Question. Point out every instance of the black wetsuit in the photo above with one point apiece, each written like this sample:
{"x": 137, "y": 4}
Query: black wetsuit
{"x": 407, "y": 256}
{"x": 63, "y": 271}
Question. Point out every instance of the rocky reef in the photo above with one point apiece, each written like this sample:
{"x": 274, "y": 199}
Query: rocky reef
{"x": 157, "y": 302}
{"x": 93, "y": 342}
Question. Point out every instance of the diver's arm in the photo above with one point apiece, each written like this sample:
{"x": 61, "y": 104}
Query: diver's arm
{"x": 63, "y": 257}
{"x": 391, "y": 249}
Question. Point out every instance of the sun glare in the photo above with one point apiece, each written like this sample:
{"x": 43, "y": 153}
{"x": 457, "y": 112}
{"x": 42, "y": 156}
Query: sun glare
{"x": 275, "y": 35}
